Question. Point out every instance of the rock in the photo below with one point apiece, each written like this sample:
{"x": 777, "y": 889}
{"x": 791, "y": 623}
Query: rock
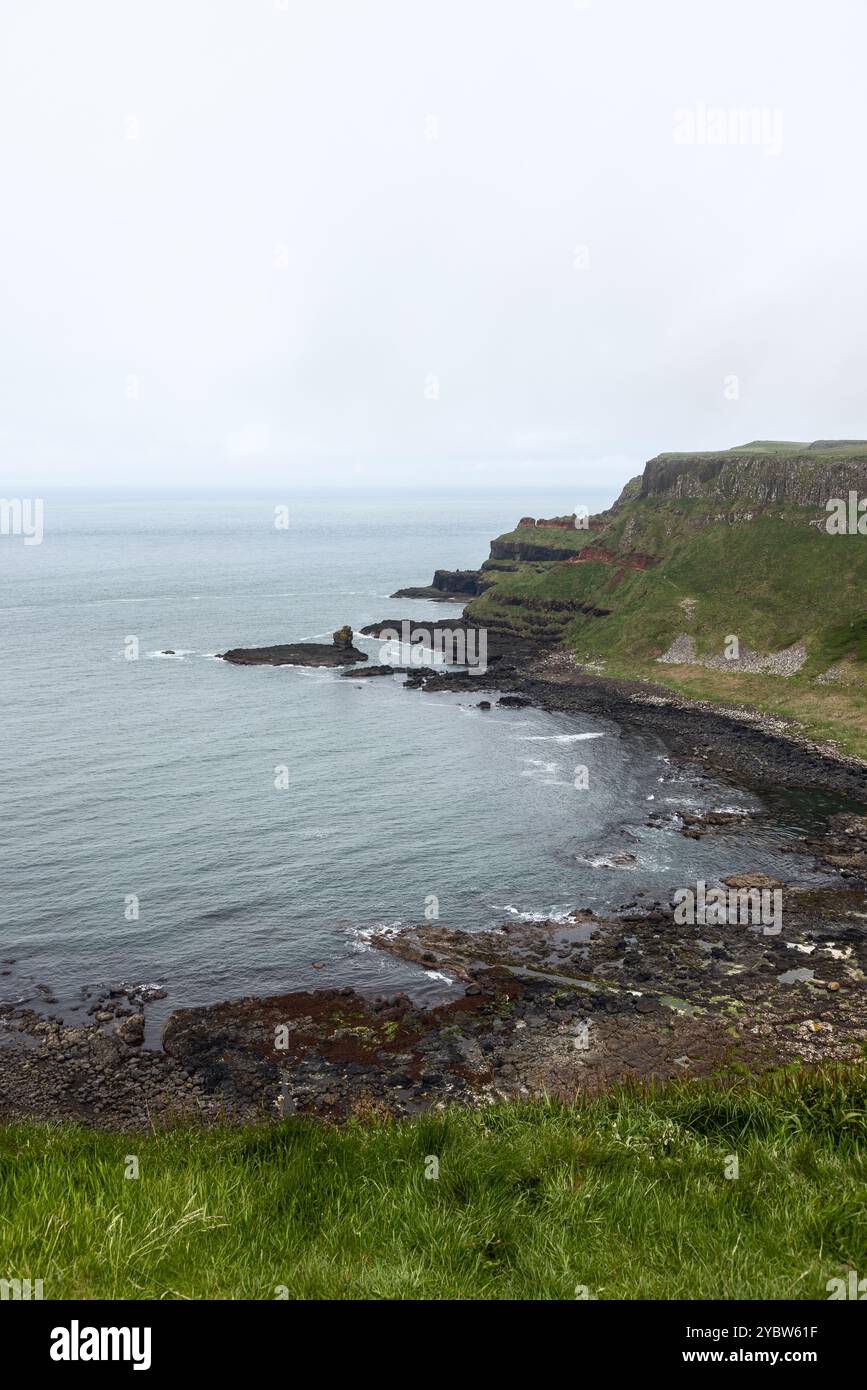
{"x": 514, "y": 701}
{"x": 340, "y": 653}
{"x": 754, "y": 880}
{"x": 131, "y": 1030}
{"x": 368, "y": 671}
{"x": 484, "y": 704}
{"x": 448, "y": 585}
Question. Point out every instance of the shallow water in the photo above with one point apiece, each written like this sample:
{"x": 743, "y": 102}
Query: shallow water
{"x": 154, "y": 779}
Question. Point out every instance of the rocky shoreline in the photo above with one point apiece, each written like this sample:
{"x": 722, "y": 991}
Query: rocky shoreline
{"x": 554, "y": 1008}
{"x": 551, "y": 1008}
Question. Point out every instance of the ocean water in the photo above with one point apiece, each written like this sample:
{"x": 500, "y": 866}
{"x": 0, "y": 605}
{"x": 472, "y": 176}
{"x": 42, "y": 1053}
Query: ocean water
{"x": 153, "y": 779}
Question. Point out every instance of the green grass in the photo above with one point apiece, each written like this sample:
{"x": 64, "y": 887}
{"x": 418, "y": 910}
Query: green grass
{"x": 829, "y": 714}
{"x": 770, "y": 581}
{"x": 848, "y": 639}
{"x": 785, "y": 448}
{"x": 553, "y": 538}
{"x": 624, "y": 1194}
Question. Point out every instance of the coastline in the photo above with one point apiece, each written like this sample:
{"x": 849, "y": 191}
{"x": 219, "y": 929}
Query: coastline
{"x": 548, "y": 1008}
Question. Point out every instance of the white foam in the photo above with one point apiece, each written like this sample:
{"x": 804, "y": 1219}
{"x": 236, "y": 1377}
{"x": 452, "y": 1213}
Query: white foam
{"x": 603, "y": 861}
{"x": 556, "y": 738}
{"x": 556, "y": 914}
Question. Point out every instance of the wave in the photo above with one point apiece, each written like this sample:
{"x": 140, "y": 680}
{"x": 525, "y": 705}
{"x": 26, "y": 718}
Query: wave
{"x": 608, "y": 861}
{"x": 360, "y": 936}
{"x": 556, "y": 914}
{"x": 555, "y": 738}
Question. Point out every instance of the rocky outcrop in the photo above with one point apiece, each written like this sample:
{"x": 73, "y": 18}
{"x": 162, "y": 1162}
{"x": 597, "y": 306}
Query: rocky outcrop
{"x": 554, "y": 523}
{"x": 340, "y": 653}
{"x": 529, "y": 550}
{"x": 448, "y": 586}
{"x": 370, "y": 671}
{"x": 503, "y": 649}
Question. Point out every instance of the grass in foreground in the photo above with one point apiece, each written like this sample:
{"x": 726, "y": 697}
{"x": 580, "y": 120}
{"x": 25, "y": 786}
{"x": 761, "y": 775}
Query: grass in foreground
{"x": 624, "y": 1194}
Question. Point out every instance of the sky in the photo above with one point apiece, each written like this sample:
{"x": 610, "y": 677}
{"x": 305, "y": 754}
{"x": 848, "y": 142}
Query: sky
{"x": 424, "y": 242}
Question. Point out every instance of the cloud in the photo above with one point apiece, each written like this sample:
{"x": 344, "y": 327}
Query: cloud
{"x": 284, "y": 222}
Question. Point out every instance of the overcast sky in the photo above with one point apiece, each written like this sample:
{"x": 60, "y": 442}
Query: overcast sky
{"x": 458, "y": 241}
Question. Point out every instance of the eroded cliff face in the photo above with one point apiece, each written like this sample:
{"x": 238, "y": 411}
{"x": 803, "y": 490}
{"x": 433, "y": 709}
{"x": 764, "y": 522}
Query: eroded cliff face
{"x": 456, "y": 581}
{"x": 632, "y": 560}
{"x": 530, "y": 550}
{"x": 806, "y": 478}
{"x": 451, "y": 585}
{"x": 699, "y": 546}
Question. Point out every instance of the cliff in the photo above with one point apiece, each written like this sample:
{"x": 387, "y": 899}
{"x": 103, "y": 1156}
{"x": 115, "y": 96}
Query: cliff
{"x": 698, "y": 550}
{"x": 800, "y": 475}
{"x": 446, "y": 586}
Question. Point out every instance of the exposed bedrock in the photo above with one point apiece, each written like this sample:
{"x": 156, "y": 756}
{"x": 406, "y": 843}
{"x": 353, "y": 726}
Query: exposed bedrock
{"x": 340, "y": 653}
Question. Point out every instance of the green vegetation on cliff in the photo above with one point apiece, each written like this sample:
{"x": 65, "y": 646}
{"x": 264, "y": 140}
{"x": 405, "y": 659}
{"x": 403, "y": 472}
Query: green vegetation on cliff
{"x": 701, "y": 549}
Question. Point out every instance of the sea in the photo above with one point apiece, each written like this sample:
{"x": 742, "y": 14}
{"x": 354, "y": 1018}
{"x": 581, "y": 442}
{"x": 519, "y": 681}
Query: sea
{"x": 220, "y": 831}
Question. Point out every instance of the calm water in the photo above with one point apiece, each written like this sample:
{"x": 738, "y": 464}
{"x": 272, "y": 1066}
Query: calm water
{"x": 155, "y": 777}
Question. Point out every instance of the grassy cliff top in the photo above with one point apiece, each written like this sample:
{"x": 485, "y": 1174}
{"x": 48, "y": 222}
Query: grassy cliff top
{"x": 818, "y": 450}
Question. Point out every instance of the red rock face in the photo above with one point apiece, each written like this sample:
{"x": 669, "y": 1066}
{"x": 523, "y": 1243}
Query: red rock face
{"x": 635, "y": 561}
